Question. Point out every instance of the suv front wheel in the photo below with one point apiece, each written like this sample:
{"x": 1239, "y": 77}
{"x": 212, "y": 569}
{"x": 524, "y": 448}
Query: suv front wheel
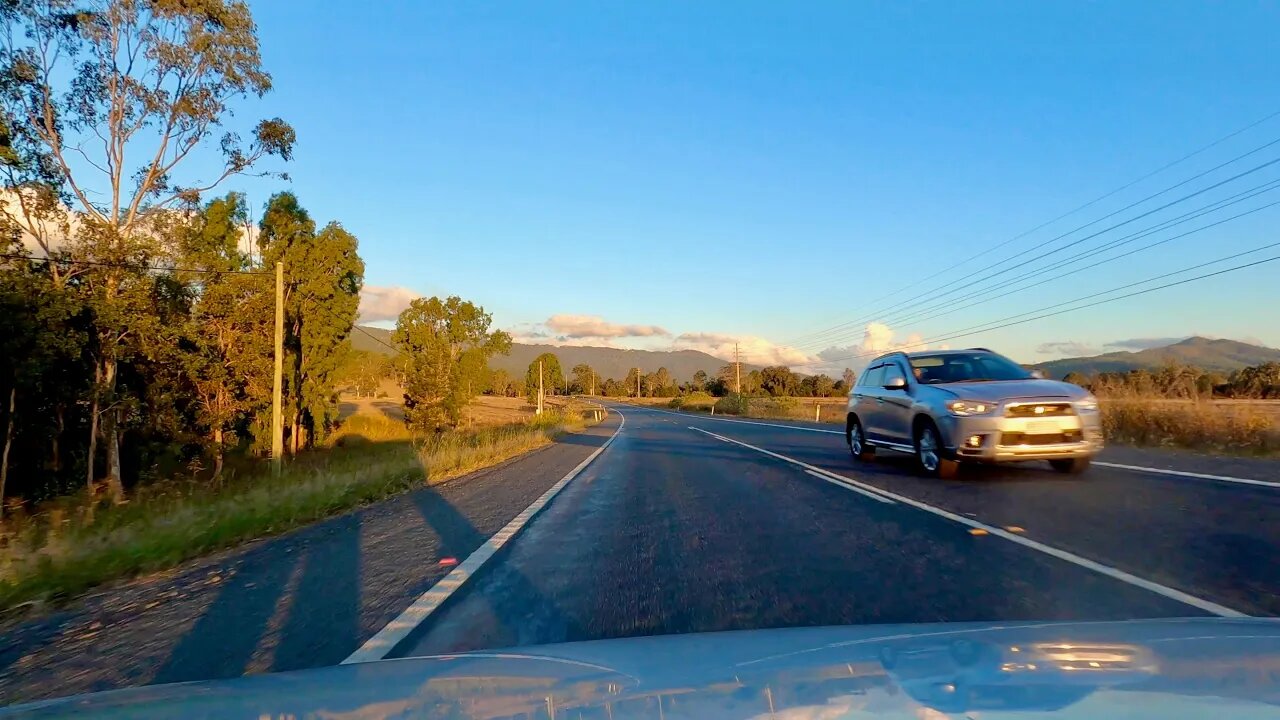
{"x": 858, "y": 442}
{"x": 930, "y": 452}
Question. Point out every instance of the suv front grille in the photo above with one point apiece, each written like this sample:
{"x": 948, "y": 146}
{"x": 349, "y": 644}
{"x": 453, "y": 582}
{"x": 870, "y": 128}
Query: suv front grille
{"x": 1017, "y": 438}
{"x": 1034, "y": 409}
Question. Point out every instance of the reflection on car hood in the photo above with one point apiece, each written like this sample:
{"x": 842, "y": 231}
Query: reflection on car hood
{"x": 1011, "y": 389}
{"x": 1151, "y": 668}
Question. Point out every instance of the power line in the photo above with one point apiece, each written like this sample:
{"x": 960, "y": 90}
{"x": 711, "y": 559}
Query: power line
{"x": 1001, "y": 324}
{"x": 811, "y": 337}
{"x": 930, "y": 312}
{"x": 1086, "y": 205}
{"x": 1093, "y": 265}
{"x": 320, "y": 304}
{"x": 131, "y": 266}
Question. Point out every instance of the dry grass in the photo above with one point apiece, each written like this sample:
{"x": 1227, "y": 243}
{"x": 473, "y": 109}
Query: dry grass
{"x": 827, "y": 410}
{"x": 69, "y": 546}
{"x": 1233, "y": 427}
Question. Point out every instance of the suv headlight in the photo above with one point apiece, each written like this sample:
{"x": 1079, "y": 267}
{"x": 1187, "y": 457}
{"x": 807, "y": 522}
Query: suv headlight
{"x": 970, "y": 407}
{"x": 1087, "y": 405}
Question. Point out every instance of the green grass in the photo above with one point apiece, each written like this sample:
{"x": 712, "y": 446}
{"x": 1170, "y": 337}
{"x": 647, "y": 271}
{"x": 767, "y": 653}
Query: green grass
{"x": 68, "y": 546}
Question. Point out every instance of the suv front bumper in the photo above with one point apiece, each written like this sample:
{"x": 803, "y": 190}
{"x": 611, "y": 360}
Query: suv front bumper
{"x": 1007, "y": 439}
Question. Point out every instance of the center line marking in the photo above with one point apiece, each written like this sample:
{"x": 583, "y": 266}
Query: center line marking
{"x": 386, "y": 639}
{"x": 1117, "y": 574}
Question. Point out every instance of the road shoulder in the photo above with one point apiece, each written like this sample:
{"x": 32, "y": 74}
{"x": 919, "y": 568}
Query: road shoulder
{"x": 307, "y": 598}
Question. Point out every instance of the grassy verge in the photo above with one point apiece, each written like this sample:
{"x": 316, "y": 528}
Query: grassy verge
{"x": 1209, "y": 426}
{"x": 68, "y": 547}
{"x": 779, "y": 408}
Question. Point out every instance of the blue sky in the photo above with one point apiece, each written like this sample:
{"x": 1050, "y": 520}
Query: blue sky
{"x": 765, "y": 170}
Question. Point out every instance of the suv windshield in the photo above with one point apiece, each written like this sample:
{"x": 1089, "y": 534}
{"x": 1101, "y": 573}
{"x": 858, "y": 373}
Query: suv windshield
{"x": 975, "y": 367}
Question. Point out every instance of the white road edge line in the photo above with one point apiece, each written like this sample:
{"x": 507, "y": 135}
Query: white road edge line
{"x": 1122, "y": 576}
{"x": 854, "y": 488}
{"x": 1181, "y": 473}
{"x": 386, "y": 639}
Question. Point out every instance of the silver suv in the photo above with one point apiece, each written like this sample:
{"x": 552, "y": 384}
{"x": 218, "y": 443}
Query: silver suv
{"x": 953, "y": 405}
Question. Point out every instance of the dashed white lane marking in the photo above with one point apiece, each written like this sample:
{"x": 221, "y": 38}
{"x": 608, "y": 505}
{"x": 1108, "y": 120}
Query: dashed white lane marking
{"x": 1181, "y": 473}
{"x": 1122, "y": 576}
{"x": 1100, "y": 463}
{"x": 385, "y": 640}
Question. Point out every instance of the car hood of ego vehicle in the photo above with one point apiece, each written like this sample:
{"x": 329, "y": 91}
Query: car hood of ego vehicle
{"x": 997, "y": 390}
{"x": 1177, "y": 668}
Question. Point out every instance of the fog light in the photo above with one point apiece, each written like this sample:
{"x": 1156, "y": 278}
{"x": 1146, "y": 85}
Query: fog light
{"x": 973, "y": 441}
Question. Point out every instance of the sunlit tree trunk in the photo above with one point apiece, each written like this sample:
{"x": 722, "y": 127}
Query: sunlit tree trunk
{"x": 217, "y": 453}
{"x": 8, "y": 443}
{"x": 111, "y": 433}
{"x": 90, "y": 477}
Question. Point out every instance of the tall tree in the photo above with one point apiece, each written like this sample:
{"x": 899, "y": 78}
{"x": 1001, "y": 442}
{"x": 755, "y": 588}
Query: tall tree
{"x": 227, "y": 335}
{"x": 323, "y": 276}
{"x": 552, "y": 376}
{"x": 444, "y": 342}
{"x": 584, "y": 379}
{"x": 86, "y": 89}
{"x": 699, "y": 380}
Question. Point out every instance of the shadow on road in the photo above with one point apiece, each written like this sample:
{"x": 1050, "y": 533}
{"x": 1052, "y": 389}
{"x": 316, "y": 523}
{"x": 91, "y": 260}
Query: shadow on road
{"x": 522, "y": 611}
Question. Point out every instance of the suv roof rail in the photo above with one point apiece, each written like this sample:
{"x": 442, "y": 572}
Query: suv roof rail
{"x": 983, "y": 349}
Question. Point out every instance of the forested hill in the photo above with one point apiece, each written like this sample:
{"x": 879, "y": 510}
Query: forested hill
{"x": 608, "y": 362}
{"x": 1223, "y": 356}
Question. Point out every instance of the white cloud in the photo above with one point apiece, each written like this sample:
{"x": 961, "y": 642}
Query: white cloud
{"x": 384, "y": 303}
{"x": 877, "y": 338}
{"x": 754, "y": 350}
{"x": 1066, "y": 348}
{"x": 591, "y": 326}
{"x": 1144, "y": 343}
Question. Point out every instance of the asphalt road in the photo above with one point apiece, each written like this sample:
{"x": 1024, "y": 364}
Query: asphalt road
{"x": 682, "y": 524}
{"x": 673, "y": 530}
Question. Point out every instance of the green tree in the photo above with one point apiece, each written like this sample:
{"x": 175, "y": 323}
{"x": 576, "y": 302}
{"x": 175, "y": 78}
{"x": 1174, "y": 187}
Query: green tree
{"x": 552, "y": 377}
{"x": 323, "y": 276}
{"x": 227, "y": 351}
{"x": 699, "y": 380}
{"x": 446, "y": 343}
{"x": 632, "y": 383}
{"x": 778, "y": 381}
{"x": 584, "y": 379}
{"x": 150, "y": 80}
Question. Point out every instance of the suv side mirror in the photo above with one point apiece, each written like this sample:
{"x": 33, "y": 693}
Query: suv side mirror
{"x": 1037, "y": 374}
{"x": 895, "y": 383}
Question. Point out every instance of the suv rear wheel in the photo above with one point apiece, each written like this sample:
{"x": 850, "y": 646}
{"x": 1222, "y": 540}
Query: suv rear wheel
{"x": 930, "y": 452}
{"x": 858, "y": 442}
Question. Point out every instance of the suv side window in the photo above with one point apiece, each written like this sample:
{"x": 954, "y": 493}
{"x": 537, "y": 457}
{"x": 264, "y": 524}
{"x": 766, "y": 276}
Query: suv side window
{"x": 873, "y": 377}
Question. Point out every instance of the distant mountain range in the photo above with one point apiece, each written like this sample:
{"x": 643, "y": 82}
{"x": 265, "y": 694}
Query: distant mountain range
{"x": 1223, "y": 356}
{"x": 608, "y": 362}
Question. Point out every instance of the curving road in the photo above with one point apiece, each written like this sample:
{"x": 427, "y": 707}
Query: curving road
{"x": 681, "y": 523}
{"x": 689, "y": 524}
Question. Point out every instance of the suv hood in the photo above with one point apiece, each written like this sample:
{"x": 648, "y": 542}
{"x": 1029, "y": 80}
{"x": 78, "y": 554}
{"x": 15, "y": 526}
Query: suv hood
{"x": 997, "y": 390}
{"x": 1152, "y": 668}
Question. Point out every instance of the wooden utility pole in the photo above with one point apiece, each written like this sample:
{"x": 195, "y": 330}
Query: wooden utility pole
{"x": 277, "y": 391}
{"x": 637, "y": 383}
{"x": 539, "y": 412}
{"x": 737, "y": 368}
{"x": 593, "y": 384}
